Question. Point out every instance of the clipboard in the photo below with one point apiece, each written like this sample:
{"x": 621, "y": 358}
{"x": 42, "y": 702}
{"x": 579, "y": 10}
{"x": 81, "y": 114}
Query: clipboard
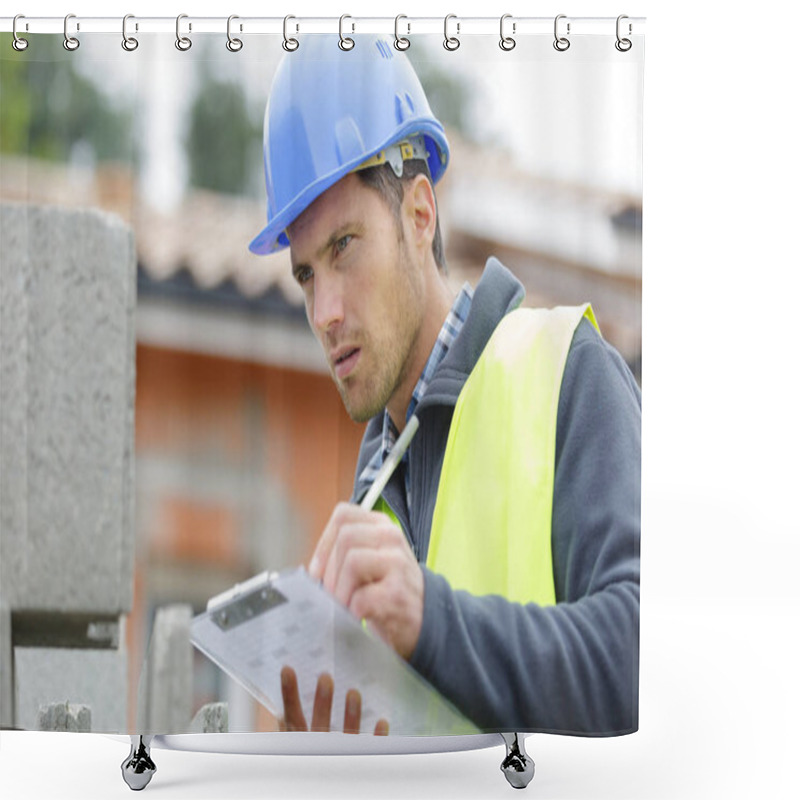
{"x": 288, "y": 619}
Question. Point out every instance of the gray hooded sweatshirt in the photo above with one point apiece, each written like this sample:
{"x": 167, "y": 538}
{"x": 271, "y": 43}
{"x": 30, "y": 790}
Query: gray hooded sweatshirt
{"x": 568, "y": 668}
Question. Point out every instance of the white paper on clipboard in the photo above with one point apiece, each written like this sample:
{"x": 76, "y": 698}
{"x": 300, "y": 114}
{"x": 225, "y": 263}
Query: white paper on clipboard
{"x": 288, "y": 619}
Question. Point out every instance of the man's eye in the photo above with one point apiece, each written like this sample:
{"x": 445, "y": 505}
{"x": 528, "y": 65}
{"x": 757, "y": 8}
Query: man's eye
{"x": 303, "y": 275}
{"x": 342, "y": 243}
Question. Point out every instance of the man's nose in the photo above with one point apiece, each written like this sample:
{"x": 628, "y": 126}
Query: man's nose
{"x": 328, "y": 308}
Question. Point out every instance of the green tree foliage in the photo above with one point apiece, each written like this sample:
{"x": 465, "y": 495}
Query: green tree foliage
{"x": 47, "y": 106}
{"x": 448, "y": 95}
{"x": 221, "y": 138}
{"x": 15, "y": 102}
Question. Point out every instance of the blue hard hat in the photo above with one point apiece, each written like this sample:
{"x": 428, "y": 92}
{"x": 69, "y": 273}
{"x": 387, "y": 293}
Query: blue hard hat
{"x": 328, "y": 111}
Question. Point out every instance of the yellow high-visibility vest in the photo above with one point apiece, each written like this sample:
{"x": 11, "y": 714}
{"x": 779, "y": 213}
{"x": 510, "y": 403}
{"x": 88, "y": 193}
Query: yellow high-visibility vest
{"x": 491, "y": 525}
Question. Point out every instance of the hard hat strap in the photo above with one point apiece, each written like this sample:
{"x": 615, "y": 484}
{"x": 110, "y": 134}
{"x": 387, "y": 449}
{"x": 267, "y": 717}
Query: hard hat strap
{"x": 396, "y": 153}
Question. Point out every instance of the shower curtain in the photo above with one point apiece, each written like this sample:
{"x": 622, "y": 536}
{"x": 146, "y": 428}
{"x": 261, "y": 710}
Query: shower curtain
{"x": 170, "y": 424}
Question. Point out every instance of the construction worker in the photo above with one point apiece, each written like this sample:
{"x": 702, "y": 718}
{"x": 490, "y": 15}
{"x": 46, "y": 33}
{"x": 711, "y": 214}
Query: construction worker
{"x": 502, "y": 561}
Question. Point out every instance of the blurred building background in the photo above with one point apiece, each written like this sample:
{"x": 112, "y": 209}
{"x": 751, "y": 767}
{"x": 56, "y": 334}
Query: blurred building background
{"x": 242, "y": 443}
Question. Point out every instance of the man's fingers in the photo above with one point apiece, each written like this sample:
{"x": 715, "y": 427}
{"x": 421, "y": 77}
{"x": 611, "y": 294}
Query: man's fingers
{"x": 352, "y": 712}
{"x": 323, "y": 700}
{"x": 319, "y": 561}
{"x": 343, "y": 514}
{"x": 373, "y": 534}
{"x": 293, "y": 717}
{"x": 361, "y": 566}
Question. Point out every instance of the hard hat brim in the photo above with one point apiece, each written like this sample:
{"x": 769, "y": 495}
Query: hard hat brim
{"x": 273, "y": 237}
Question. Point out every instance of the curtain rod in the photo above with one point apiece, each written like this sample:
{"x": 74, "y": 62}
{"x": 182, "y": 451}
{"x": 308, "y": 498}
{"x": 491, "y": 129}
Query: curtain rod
{"x": 402, "y": 25}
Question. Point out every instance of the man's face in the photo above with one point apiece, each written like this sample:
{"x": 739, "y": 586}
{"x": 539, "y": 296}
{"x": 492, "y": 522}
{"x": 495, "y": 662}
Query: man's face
{"x": 363, "y": 291}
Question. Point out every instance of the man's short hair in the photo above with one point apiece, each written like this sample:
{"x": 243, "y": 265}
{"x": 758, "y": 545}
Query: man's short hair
{"x": 383, "y": 179}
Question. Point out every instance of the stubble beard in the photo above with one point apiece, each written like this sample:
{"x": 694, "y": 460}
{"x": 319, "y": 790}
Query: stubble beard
{"x": 394, "y": 355}
{"x": 382, "y": 385}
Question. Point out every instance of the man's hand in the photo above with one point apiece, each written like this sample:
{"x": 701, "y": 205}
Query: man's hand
{"x": 294, "y": 719}
{"x": 364, "y": 561}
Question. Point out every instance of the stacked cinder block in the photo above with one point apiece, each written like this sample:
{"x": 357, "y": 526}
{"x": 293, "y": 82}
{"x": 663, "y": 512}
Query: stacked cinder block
{"x": 67, "y": 343}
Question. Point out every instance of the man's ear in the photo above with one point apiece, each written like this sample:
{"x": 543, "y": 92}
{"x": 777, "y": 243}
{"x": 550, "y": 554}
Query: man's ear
{"x": 420, "y": 207}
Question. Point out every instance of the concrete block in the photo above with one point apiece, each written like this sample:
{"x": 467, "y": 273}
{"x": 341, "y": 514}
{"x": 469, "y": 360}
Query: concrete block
{"x": 65, "y": 717}
{"x": 67, "y": 339}
{"x": 6, "y": 668}
{"x": 211, "y": 718}
{"x": 92, "y": 678}
{"x": 14, "y": 274}
{"x": 165, "y": 698}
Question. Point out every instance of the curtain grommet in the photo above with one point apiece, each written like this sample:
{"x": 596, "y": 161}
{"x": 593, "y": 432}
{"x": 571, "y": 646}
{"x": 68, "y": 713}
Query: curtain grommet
{"x": 70, "y": 43}
{"x": 345, "y": 42}
{"x": 561, "y": 43}
{"x": 290, "y": 44}
{"x": 507, "y": 43}
{"x": 183, "y": 43}
{"x": 401, "y": 42}
{"x": 234, "y": 45}
{"x": 129, "y": 43}
{"x": 18, "y": 43}
{"x": 451, "y": 43}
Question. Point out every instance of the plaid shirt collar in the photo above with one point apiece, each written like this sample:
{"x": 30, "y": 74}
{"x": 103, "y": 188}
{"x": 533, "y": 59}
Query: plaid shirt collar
{"x": 447, "y": 335}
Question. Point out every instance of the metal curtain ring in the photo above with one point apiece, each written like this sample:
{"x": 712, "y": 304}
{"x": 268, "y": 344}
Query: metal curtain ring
{"x": 182, "y": 42}
{"x": 234, "y": 45}
{"x": 18, "y": 43}
{"x": 506, "y": 42}
{"x": 400, "y": 42}
{"x": 128, "y": 42}
{"x": 290, "y": 45}
{"x": 70, "y": 42}
{"x": 623, "y": 45}
{"x": 345, "y": 43}
{"x": 561, "y": 43}
{"x": 451, "y": 42}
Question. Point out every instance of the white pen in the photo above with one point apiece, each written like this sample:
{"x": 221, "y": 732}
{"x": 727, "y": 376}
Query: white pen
{"x": 392, "y": 460}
